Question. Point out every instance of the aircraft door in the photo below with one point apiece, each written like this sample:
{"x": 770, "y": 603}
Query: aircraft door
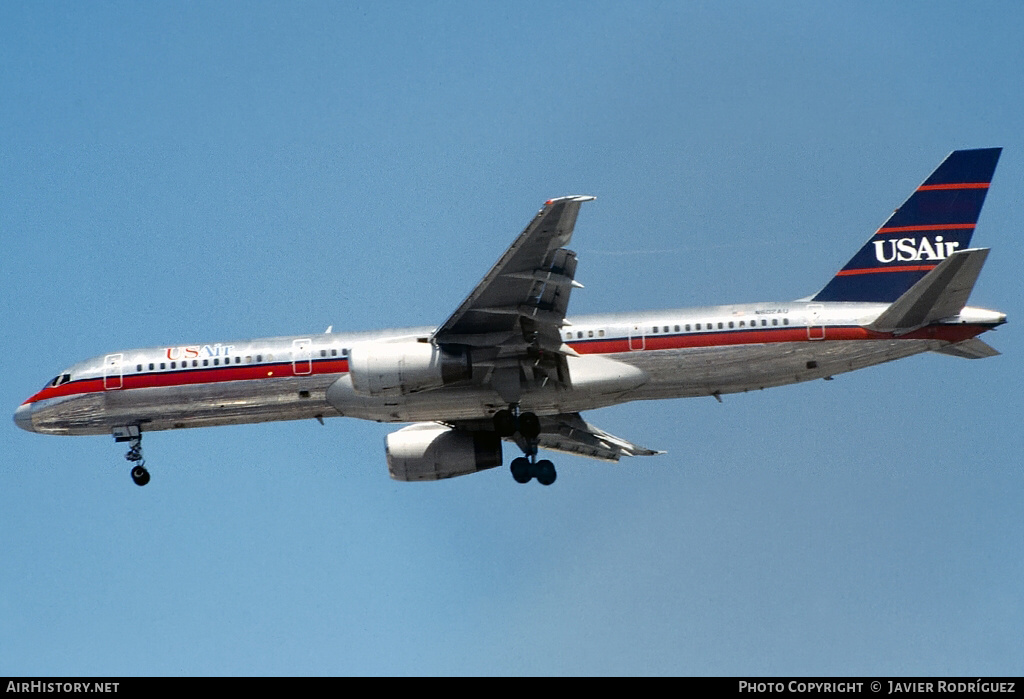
{"x": 302, "y": 357}
{"x": 637, "y": 340}
{"x": 815, "y": 323}
{"x": 113, "y": 372}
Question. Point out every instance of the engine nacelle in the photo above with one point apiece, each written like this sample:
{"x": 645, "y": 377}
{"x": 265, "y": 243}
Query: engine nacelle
{"x": 429, "y": 452}
{"x": 400, "y": 368}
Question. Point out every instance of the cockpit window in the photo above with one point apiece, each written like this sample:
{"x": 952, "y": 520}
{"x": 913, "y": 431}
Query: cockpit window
{"x": 59, "y": 379}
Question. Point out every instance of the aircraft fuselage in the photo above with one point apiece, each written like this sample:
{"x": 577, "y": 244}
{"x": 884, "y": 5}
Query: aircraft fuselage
{"x": 682, "y": 353}
{"x": 509, "y": 365}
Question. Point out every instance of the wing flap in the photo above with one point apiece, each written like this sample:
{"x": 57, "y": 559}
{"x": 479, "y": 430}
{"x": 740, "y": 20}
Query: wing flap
{"x": 570, "y": 433}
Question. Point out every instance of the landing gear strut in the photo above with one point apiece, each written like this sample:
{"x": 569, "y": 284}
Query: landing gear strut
{"x": 525, "y": 427}
{"x": 133, "y": 436}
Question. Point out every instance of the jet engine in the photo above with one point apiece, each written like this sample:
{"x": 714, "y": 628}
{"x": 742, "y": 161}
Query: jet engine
{"x": 400, "y": 368}
{"x": 428, "y": 451}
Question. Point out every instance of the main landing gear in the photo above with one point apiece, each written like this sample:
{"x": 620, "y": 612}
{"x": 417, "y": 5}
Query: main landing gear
{"x": 132, "y": 435}
{"x": 525, "y": 427}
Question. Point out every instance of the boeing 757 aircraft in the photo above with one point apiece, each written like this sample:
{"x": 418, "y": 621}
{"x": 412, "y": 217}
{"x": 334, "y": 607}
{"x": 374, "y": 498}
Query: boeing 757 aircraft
{"x": 508, "y": 366}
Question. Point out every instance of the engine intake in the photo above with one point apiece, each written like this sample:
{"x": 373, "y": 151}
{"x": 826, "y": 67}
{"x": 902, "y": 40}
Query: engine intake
{"x": 400, "y": 368}
{"x": 429, "y": 452}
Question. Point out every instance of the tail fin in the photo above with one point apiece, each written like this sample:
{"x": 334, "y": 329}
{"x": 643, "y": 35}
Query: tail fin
{"x": 938, "y": 218}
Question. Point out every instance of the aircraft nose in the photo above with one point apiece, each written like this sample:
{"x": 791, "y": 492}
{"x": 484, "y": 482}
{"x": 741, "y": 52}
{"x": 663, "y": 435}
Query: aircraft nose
{"x": 23, "y": 417}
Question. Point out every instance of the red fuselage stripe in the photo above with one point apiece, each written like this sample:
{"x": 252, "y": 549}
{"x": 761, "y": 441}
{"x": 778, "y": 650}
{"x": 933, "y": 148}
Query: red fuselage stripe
{"x": 793, "y": 333}
{"x": 243, "y": 372}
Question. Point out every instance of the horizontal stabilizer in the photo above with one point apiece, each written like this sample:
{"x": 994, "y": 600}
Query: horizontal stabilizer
{"x": 970, "y": 349}
{"x": 942, "y": 293}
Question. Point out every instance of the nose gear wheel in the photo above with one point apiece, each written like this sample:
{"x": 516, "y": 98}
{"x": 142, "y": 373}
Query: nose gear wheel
{"x": 132, "y": 435}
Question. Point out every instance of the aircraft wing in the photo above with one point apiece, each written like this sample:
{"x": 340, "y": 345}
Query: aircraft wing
{"x": 517, "y": 310}
{"x": 571, "y": 434}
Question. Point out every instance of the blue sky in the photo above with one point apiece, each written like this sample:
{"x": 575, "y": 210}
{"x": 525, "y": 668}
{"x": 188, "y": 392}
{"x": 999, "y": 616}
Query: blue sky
{"x": 199, "y": 172}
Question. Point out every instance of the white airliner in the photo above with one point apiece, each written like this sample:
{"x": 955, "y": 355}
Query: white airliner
{"x": 508, "y": 365}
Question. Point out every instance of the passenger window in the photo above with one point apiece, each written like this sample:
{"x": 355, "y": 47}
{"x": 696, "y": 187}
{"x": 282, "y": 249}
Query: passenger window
{"x": 698, "y": 326}
{"x": 731, "y": 324}
{"x": 138, "y": 367}
{"x": 775, "y": 321}
{"x": 579, "y": 334}
{"x": 259, "y": 357}
{"x": 151, "y": 366}
{"x": 163, "y": 365}
{"x": 687, "y": 327}
{"x": 334, "y": 353}
{"x": 174, "y": 365}
{"x": 216, "y": 362}
{"x": 195, "y": 362}
{"x": 719, "y": 326}
{"x": 206, "y": 362}
{"x": 785, "y": 321}
{"x": 677, "y": 328}
{"x": 590, "y": 333}
{"x": 600, "y": 333}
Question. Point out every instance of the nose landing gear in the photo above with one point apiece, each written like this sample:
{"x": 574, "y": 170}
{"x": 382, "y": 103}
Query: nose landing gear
{"x": 132, "y": 435}
{"x": 140, "y": 475}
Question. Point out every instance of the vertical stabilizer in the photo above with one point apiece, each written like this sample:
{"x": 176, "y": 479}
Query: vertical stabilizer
{"x": 937, "y": 219}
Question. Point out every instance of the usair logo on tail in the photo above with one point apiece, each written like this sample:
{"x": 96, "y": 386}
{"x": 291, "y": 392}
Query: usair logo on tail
{"x": 910, "y": 250}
